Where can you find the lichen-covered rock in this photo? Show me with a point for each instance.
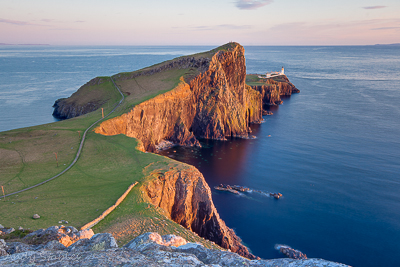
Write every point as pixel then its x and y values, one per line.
pixel 3 248
pixel 155 238
pixel 186 197
pixel 148 252
pixel 5 231
pixel 66 235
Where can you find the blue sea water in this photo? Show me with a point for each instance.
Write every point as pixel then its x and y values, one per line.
pixel 333 150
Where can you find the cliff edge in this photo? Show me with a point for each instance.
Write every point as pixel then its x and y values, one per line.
pixel 213 103
pixel 186 197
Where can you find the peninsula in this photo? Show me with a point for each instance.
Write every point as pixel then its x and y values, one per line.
pixel 206 95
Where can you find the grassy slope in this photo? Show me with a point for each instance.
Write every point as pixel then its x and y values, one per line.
pixel 107 166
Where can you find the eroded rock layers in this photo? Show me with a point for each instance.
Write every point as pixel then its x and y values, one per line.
pixel 186 197
pixel 215 104
pixel 272 91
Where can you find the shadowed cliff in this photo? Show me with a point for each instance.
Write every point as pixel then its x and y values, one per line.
pixel 272 89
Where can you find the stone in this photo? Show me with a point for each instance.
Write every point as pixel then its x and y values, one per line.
pixel 35 216
pixel 173 240
pixel 144 239
pixel 186 196
pixel 1 226
pixel 100 241
pixel 103 241
pixel 3 248
pixel 66 235
pixel 146 252
pixel 290 252
pixel 20 228
pixel 54 245
pixel 7 230
pixel 80 245
pixel 19 247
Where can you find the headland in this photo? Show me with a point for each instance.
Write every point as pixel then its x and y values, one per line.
pixel 206 95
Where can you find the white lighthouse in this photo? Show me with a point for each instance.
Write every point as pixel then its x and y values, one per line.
pixel 282 71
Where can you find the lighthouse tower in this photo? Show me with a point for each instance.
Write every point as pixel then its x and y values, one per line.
pixel 282 71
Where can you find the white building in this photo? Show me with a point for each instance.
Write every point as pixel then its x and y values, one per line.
pixel 273 73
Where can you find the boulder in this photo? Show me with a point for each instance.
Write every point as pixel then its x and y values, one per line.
pixel 155 238
pixel 97 242
pixel 18 247
pixel 173 240
pixel 36 216
pixel 66 235
pixel 103 241
pixel 290 252
pixel 6 231
pixel 3 248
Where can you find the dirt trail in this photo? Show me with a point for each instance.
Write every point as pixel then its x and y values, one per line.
pixel 79 150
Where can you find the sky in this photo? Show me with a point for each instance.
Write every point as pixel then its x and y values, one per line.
pixel 205 22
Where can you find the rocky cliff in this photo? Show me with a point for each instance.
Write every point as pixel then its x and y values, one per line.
pixel 272 89
pixel 76 105
pixel 186 197
pixel 215 103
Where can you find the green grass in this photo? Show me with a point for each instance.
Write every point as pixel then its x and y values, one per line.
pixel 105 169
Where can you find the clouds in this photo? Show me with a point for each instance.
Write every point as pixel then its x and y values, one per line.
pixel 373 7
pixel 252 4
pixel 15 22
pixel 222 27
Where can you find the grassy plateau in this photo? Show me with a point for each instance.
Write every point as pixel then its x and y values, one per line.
pixel 105 169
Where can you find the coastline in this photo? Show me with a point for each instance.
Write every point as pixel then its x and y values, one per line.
pixel 240 135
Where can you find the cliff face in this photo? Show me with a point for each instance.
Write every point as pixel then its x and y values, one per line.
pixel 186 197
pixel 66 108
pixel 214 104
pixel 272 90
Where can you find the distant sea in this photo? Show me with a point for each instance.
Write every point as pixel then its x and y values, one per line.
pixel 333 150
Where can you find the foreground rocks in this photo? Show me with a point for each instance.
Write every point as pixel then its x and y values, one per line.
pixel 66 235
pixel 149 249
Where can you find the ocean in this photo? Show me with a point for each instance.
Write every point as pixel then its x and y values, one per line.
pixel 333 150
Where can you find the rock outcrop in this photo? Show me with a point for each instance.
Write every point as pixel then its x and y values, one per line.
pixel 186 197
pixel 272 90
pixel 214 104
pixel 149 249
pixel 66 108
pixel 66 235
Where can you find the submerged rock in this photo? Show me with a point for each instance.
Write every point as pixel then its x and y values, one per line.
pixel 290 252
